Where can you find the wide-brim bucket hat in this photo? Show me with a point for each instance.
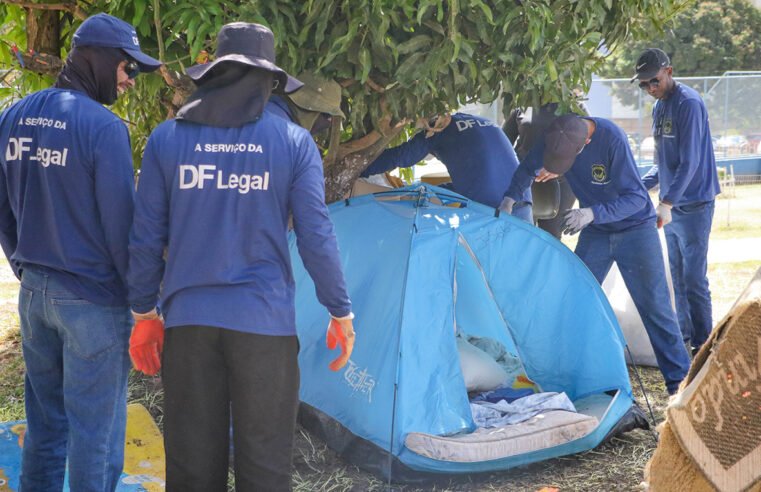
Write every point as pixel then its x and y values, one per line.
pixel 249 44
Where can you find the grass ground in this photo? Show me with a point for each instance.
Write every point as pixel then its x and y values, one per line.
pixel 617 465
pixel 738 215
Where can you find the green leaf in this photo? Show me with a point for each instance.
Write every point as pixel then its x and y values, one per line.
pixel 551 70
pixel 415 43
pixel 139 11
pixel 485 9
pixel 366 63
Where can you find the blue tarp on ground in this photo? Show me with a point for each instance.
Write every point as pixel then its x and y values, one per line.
pixel 417 271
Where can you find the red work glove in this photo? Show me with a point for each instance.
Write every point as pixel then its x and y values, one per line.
pixel 146 344
pixel 340 333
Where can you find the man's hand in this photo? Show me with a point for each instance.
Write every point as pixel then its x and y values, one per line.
pixel 506 206
pixel 434 125
pixel 663 213
pixel 576 219
pixel 545 175
pixel 340 333
pixel 146 344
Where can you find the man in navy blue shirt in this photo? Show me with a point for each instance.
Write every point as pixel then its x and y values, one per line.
pixel 522 129
pixel 616 220
pixel 479 157
pixel 217 187
pixel 66 195
pixel 685 168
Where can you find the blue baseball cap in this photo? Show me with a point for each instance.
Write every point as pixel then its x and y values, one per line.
pixel 110 32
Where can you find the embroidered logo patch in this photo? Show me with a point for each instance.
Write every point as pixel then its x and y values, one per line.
pixel 599 173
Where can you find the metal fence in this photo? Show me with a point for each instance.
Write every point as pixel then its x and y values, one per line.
pixel 733 111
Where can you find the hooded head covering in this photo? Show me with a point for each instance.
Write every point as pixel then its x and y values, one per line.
pixel 233 89
pixel 246 44
pixel 230 95
pixel 318 96
pixel 92 70
pixel 99 45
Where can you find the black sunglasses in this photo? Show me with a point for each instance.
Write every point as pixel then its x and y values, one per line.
pixel 645 84
pixel 132 69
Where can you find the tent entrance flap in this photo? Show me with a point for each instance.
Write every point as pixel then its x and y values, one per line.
pixel 478 319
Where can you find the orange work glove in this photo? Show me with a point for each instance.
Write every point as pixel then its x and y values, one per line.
pixel 340 333
pixel 146 344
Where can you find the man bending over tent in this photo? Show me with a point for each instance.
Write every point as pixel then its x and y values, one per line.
pixel 477 154
pixel 616 220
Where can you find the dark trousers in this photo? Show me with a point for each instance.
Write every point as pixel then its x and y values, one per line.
pixel 640 259
pixel 209 373
pixel 687 238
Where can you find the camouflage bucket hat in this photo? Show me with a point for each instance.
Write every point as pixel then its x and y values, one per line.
pixel 318 95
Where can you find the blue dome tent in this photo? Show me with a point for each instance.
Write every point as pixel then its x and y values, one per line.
pixel 422 265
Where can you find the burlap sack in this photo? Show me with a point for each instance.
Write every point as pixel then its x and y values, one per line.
pixel 712 436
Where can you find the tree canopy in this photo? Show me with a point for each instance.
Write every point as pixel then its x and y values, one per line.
pixel 395 59
pixel 709 38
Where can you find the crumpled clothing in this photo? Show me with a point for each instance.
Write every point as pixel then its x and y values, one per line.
pixel 509 362
pixel 500 414
pixel 507 394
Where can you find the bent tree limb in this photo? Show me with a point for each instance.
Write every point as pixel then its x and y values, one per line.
pixel 71 7
pixel 42 63
pixel 354 156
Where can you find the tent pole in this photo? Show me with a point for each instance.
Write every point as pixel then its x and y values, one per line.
pixel 391 441
pixel 644 393
pixel 421 198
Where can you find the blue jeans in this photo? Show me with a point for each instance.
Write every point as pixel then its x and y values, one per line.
pixel 75 389
pixel 687 239
pixel 637 252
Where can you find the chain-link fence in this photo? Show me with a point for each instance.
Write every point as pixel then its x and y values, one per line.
pixel 734 115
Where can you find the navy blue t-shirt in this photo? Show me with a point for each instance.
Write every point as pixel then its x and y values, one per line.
pixel 476 152
pixel 685 163
pixel 66 192
pixel 218 200
pixel 603 177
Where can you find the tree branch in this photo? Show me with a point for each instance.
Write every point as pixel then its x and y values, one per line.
pixel 340 178
pixel 66 7
pixel 333 142
pixel 374 86
pixel 182 84
pixel 347 82
pixel 157 23
pixel 42 63
pixel 384 132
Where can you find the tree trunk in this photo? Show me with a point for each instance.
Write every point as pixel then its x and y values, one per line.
pixel 43 31
pixel 340 177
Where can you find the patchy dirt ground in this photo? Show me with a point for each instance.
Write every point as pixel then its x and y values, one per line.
pixel 617 465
